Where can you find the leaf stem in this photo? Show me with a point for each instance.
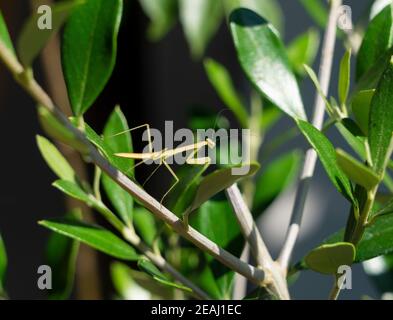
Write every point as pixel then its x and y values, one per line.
pixel 318 117
pixel 335 292
pixel 96 183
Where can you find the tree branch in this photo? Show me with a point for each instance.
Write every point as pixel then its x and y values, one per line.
pixel 277 283
pixel 40 96
pixel 161 263
pixel 317 120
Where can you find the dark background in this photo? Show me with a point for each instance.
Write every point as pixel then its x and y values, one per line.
pixel 152 82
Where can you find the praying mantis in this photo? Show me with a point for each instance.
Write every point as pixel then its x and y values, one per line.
pixel 166 153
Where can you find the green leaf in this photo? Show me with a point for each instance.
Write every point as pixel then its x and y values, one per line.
pixel 89 50
pixel 328 258
pixel 32 39
pixel 58 131
pixel 120 199
pixel 377 41
pixel 303 50
pixel 4 35
pixel 61 254
pixel 151 269
pixel 219 181
pixel 55 160
pixel 385 210
pixel 73 190
pixel 345 77
pixel 376 241
pixel 269 9
pixel 381 122
pixel 317 10
pixel 263 58
pixel 270 116
pixel 200 20
pixel 136 285
pixel 276 177
pixel 126 287
pixel 216 279
pixel 327 155
pixel 145 224
pixel 357 171
pixel 94 236
pixel 3 265
pixel 361 103
pixel 221 80
pixel 314 79
pixel 183 194
pixel 162 14
pixel 355 141
pixel 124 165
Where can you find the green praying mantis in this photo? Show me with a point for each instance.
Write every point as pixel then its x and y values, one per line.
pixel 163 155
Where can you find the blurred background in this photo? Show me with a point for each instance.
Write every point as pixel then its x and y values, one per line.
pixel 153 82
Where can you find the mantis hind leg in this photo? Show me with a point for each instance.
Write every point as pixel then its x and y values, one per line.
pixel 174 176
pixel 152 174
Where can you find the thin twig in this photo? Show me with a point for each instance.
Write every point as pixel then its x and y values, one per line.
pixel 311 156
pixel 257 246
pixel 40 96
pixel 130 235
pixel 161 263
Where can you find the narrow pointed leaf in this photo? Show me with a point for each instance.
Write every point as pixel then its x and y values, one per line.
pixel 327 155
pixel 4 35
pixel 124 165
pixel 94 236
pixel 263 58
pixel 269 9
pixel 120 199
pixel 345 77
pixel 61 254
pixel 303 50
pixel 222 82
pixel 361 103
pixel 89 50
pixel 200 20
pixel 151 269
pixel 317 10
pixel 381 122
pixel 145 224
pixel 328 258
pixel 216 279
pixel 136 285
pixel 55 160
pixel 3 264
pixel 58 131
pixel 32 39
pixel 73 190
pixel 376 42
pixel 357 171
pixel 218 181
pixel 314 78
pixel 183 194
pixel 162 14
